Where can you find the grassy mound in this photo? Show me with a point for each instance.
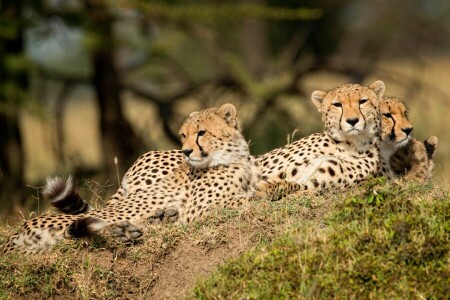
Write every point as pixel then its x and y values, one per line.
pixel 384 240
pixel 387 241
pixel 165 264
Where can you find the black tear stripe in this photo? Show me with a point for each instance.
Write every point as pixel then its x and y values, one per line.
pixel 200 148
pixel 198 144
pixel 360 112
pixel 392 135
pixel 340 118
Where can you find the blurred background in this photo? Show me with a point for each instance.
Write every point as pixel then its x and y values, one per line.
pixel 85 81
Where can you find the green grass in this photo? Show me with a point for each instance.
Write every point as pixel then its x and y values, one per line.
pixel 380 240
pixel 386 241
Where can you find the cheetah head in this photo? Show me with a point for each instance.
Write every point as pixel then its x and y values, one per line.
pixel 351 110
pixel 395 127
pixel 212 137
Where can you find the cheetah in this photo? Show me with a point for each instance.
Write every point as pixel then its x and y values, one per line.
pixel 401 155
pixel 215 169
pixel 345 153
pixel 415 161
pixel 150 168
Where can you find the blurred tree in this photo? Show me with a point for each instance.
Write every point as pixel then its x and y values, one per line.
pixel 118 138
pixel 254 42
pixel 257 53
pixel 13 86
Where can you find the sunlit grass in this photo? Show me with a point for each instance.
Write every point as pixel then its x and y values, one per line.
pixel 387 241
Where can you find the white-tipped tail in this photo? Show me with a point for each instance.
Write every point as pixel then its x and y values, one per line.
pixel 62 195
pixel 56 188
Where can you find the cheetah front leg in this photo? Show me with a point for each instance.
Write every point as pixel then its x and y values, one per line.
pixel 126 231
pixel 420 160
pixel 276 190
pixel 430 146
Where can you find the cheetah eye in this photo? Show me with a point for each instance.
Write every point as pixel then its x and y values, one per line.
pixel 387 115
pixel 201 133
pixel 362 101
pixel 337 104
pixel 183 136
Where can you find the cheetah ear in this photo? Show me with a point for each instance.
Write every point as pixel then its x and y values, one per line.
pixel 228 113
pixel 378 87
pixel 193 113
pixel 317 98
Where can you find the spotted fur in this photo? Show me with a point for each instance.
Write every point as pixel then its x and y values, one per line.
pixel 395 132
pixel 415 162
pixel 401 155
pixel 214 168
pixel 346 153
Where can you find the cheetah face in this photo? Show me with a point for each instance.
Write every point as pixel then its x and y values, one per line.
pixel 395 127
pixel 212 137
pixel 350 110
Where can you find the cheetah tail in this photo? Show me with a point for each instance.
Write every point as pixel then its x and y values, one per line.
pixel 62 195
pixel 86 227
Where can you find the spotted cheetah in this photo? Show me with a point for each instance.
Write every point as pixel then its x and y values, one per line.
pixel 415 161
pixel 401 155
pixel 215 169
pixel 346 153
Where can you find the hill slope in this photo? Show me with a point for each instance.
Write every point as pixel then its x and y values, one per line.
pixel 383 239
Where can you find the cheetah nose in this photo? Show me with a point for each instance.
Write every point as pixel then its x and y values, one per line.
pixel 352 121
pixel 187 152
pixel 407 130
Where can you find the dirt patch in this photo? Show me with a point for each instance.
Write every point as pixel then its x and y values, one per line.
pixel 192 260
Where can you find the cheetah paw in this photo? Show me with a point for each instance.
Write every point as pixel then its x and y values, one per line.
pixel 164 216
pixel 126 232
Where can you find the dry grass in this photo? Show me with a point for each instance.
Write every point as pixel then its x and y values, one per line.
pixel 165 264
pixel 170 259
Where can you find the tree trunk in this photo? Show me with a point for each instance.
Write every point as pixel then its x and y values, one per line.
pixel 118 138
pixel 13 84
pixel 254 42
